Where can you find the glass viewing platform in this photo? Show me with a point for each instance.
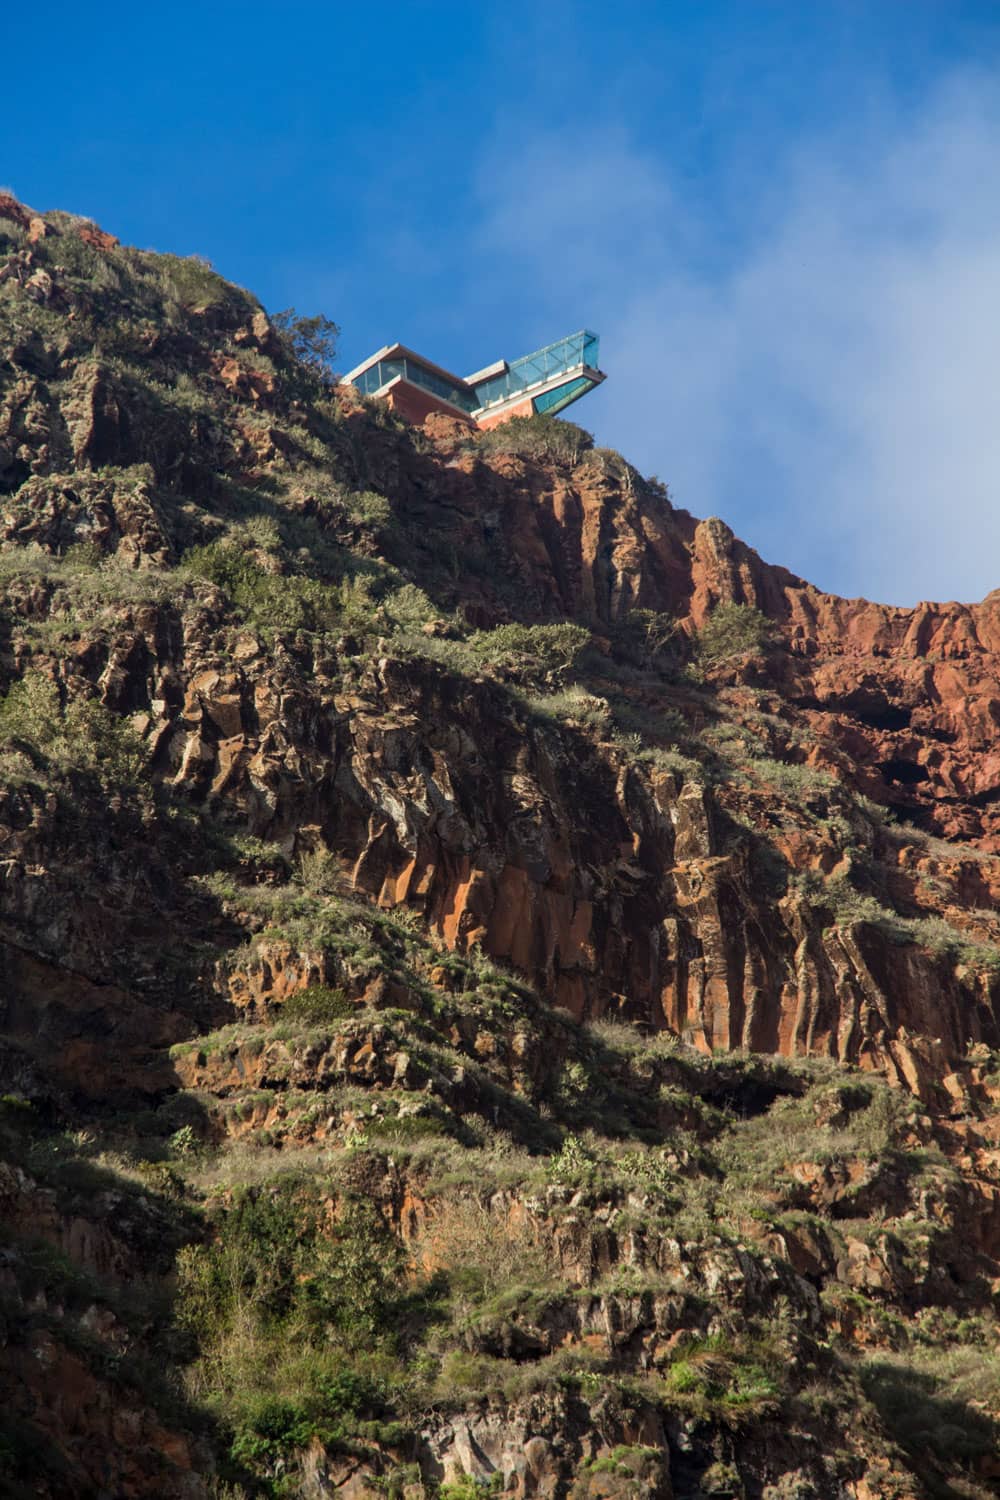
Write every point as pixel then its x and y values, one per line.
pixel 548 380
pixel 563 358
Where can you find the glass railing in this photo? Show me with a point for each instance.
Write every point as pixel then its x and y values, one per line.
pixel 534 369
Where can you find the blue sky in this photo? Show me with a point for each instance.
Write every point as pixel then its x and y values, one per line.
pixel 783 219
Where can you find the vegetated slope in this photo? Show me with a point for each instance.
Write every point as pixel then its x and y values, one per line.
pixel 500 984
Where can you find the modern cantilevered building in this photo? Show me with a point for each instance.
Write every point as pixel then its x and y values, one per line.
pixel 546 381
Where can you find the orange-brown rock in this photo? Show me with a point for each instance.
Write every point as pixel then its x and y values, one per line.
pixel 98 238
pixel 11 209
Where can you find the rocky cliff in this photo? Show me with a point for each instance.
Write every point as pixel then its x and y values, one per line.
pixel 500 983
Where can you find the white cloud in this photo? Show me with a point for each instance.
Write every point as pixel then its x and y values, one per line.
pixel 828 381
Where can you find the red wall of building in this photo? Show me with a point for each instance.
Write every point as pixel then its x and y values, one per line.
pixel 523 409
pixel 414 404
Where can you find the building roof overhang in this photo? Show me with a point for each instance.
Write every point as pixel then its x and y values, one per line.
pixel 498 367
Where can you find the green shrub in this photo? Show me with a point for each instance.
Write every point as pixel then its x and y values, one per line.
pixel 573 1164
pixel 184 1142
pixel 848 904
pixel 83 735
pixel 935 1415
pixel 317 1005
pixel 310 341
pixel 573 704
pixel 649 631
pixel 83 555
pixel 718 1376
pixel 626 1460
pixel 470 1487
pixel 789 777
pixel 262 597
pixel 407 1130
pixel 331 1410
pixel 733 630
pixel 270 1261
pixel 358 608
pixel 649 723
pixel 32 711
pixel 721 1479
pixel 408 607
pixel 937 934
pixel 540 437
pixel 286 1305
pixel 190 281
pixel 368 508
pixel 318 873
pixel 551 649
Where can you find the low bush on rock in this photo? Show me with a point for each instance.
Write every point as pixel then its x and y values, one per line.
pixel 79 735
pixel 733 630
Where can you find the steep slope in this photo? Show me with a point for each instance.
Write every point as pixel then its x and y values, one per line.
pixel 500 983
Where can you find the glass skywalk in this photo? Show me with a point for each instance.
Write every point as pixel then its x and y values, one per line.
pixel 566 356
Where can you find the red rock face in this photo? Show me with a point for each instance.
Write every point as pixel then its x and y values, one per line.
pixel 898 704
pixel 907 701
pixel 613 883
pixel 38 229
pixel 98 238
pixel 16 212
pixel 609 881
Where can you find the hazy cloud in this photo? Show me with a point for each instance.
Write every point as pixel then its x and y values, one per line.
pixel 828 380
